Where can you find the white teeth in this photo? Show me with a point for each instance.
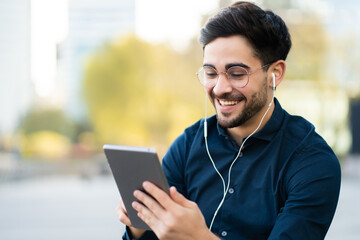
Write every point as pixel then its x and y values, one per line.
pixel 228 103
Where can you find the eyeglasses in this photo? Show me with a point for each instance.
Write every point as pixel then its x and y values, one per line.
pixel 238 76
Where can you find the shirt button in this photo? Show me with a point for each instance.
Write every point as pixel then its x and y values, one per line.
pixel 241 154
pixel 231 190
pixel 224 233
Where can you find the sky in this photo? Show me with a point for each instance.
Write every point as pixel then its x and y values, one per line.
pixel 176 23
pixel 48 27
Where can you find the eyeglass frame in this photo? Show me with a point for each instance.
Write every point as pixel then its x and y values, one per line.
pixel 227 76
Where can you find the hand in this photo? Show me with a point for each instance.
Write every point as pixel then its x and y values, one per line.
pixel 123 217
pixel 171 217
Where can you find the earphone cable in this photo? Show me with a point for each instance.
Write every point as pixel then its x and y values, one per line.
pixel 233 162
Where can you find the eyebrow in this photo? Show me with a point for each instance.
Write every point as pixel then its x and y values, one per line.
pixel 229 65
pixel 209 65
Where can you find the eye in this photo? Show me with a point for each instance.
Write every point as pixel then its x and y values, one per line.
pixel 210 73
pixel 237 73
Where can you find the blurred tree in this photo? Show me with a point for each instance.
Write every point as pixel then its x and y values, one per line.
pixel 44 144
pixel 308 57
pixel 344 65
pixel 50 119
pixel 46 134
pixel 141 94
pixel 278 4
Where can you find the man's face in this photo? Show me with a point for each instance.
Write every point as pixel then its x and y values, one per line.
pixel 235 106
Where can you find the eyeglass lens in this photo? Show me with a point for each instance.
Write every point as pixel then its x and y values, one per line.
pixel 208 76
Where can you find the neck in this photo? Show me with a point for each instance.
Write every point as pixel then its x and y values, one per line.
pixel 243 131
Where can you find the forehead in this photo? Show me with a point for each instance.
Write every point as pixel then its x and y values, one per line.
pixel 227 50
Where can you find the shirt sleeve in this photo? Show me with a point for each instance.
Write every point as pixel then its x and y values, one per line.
pixel 148 235
pixel 312 189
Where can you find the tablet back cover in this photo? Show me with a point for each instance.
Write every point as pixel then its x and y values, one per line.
pixel 131 166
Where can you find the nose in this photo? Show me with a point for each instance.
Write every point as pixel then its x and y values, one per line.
pixel 223 85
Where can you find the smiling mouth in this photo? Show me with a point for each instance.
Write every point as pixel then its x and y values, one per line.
pixel 228 103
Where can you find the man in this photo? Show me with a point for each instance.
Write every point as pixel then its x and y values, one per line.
pixel 252 171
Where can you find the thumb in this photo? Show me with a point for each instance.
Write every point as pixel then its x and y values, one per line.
pixel 178 197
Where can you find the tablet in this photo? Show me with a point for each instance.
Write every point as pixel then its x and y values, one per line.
pixel 131 166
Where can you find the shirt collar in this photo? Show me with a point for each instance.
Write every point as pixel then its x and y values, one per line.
pixel 270 128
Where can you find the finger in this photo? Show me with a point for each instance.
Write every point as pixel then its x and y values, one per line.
pixel 122 204
pixel 122 207
pixel 146 215
pixel 179 198
pixel 160 196
pixel 149 202
pixel 122 215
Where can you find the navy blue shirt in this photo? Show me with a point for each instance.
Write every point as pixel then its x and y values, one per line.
pixel 284 185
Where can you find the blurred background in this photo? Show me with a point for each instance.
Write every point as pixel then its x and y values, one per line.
pixel 76 74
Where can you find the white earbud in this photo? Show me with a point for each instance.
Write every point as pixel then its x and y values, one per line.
pixel 274 87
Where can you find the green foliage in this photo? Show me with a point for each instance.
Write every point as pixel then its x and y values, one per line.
pixel 141 94
pixel 45 145
pixel 54 120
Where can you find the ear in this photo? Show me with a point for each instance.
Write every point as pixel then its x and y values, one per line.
pixel 278 68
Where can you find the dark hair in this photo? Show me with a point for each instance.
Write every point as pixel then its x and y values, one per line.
pixel 265 31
